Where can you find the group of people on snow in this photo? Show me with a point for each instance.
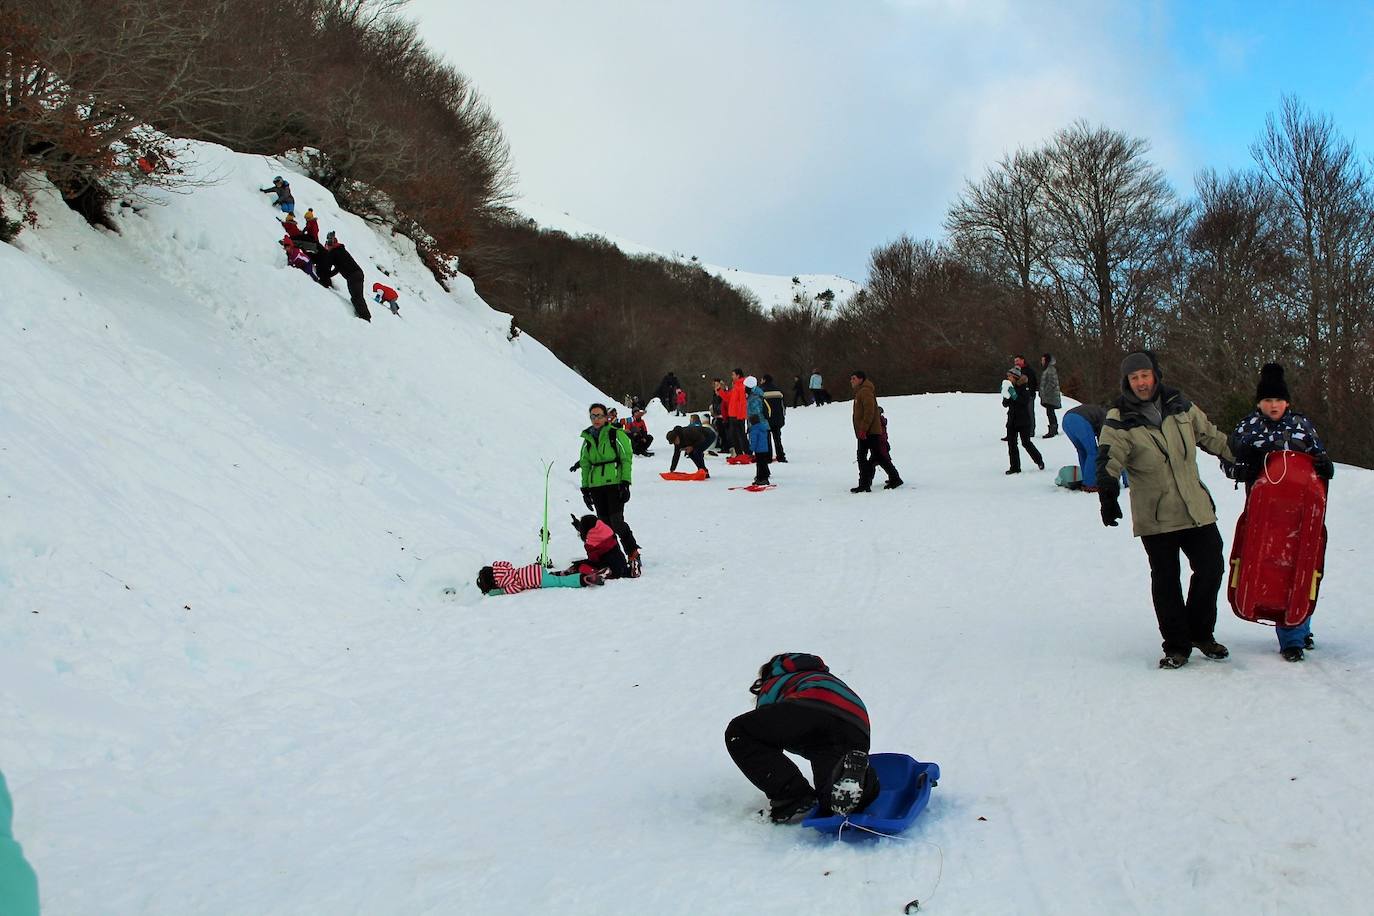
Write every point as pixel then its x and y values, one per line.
pixel 321 261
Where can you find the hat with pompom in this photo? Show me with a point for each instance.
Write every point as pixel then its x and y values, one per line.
pixel 1271 383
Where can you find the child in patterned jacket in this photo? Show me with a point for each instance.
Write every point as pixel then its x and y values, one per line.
pixel 1273 427
pixel 504 578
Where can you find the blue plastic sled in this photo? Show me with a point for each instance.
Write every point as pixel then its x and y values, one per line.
pixel 905 788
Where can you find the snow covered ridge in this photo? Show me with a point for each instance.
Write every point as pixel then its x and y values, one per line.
pixel 772 291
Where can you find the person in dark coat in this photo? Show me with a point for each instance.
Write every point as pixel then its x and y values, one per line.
pixel 692 441
pixel 803 709
pixel 798 392
pixel 666 390
pixel 1032 385
pixel 777 415
pixel 1020 421
pixel 337 260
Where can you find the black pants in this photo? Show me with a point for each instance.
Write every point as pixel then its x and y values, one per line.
pixel 761 462
pixel 872 455
pixel 355 292
pixel 798 399
pixel 738 438
pixel 757 739
pixel 775 436
pixel 1182 623
pixel 1053 429
pixel 610 508
pixel 1027 443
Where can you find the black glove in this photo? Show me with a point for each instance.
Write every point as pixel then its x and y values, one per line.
pixel 1109 488
pixel 1111 509
pixel 576 465
pixel 587 498
pixel 1245 472
pixel 624 492
pixel 1323 466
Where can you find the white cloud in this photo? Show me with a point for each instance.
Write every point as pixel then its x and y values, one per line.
pixel 792 136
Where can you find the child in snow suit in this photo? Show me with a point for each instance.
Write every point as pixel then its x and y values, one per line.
pixel 296 258
pixel 385 295
pixel 312 225
pixel 680 399
pixel 502 578
pixel 604 557
pixel 1273 427
pixel 803 709
pixel 638 431
pixel 756 410
pixel 285 201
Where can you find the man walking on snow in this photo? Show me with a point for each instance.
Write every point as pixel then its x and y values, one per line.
pixel 868 429
pixel 1153 433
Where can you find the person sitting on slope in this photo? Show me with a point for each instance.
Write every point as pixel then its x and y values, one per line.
pixel 1272 427
pixel 605 558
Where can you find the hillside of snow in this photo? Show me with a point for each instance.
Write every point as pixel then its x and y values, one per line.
pixel 235 682
pixel 771 290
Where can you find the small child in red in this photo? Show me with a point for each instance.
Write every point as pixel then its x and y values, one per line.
pixel 312 225
pixel 387 296
pixel 681 400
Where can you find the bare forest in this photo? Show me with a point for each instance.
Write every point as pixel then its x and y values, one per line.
pixel 1080 247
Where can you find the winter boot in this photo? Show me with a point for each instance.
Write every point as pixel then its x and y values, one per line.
pixel 1013 471
pixel 595 577
pixel 1213 650
pixel 1292 654
pixel 788 810
pixel 635 563
pixel 894 483
pixel 1307 642
pixel 1173 660
pixel 849 782
pixel 861 488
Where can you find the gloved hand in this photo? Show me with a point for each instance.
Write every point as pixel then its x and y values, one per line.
pixel 753 419
pixel 1109 487
pixel 1323 466
pixel 587 498
pixel 1111 509
pixel 1245 472
pixel 624 492
pixel 575 466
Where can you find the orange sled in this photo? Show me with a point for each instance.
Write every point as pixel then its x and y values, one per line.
pixel 1279 550
pixel 680 475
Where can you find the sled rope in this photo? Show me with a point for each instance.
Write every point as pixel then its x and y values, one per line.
pixel 913 905
pixel 1285 469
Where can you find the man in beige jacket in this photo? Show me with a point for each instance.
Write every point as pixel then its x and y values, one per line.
pixel 1153 433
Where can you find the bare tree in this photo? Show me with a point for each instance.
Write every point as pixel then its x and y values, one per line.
pixel 1114 221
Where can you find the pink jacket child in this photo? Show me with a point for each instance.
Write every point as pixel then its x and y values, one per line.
pixel 503 578
pixel 387 296
pixel 296 258
pixel 605 557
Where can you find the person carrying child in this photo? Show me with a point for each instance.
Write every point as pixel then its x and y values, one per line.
pixel 803 709
pixel 1020 420
pixel 692 441
pixel 1273 427
pixel 504 578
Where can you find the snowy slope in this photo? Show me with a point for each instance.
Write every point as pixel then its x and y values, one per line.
pixel 771 290
pixel 235 684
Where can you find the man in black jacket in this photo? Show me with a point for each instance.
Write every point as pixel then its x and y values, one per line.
pixel 1020 421
pixel 693 441
pixel 337 260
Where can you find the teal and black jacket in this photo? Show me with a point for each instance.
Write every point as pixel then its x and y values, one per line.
pixel 796 677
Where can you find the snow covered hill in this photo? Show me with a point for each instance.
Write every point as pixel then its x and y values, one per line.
pixel 771 290
pixel 235 684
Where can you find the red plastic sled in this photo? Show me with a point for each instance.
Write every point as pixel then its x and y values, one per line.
pixel 682 475
pixel 1279 550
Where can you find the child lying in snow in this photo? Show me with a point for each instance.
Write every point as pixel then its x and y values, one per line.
pixel 502 578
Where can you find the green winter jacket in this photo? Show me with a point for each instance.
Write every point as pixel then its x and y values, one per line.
pixel 1166 492
pixel 18 883
pixel 606 456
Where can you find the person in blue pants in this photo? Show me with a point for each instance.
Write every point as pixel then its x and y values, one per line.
pixel 1083 425
pixel 18 883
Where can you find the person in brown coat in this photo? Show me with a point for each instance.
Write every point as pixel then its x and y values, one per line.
pixel 868 429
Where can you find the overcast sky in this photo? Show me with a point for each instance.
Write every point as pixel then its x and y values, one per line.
pixel 794 136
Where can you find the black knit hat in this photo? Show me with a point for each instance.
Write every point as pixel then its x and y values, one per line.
pixel 1271 383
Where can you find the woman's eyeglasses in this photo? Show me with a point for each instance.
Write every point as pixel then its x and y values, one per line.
pixel 597 416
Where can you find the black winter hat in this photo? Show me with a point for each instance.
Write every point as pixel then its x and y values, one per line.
pixel 1271 383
